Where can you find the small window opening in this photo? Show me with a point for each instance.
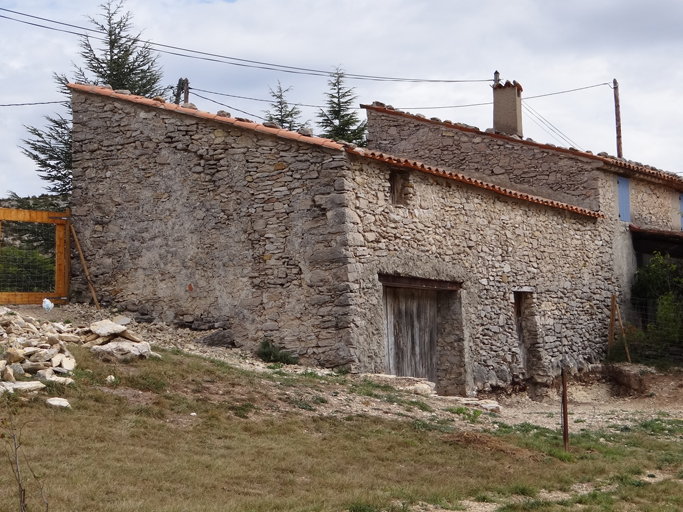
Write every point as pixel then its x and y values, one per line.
pixel 519 326
pixel 398 187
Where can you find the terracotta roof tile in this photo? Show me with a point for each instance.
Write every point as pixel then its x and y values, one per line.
pixel 671 179
pixel 411 164
pixel 105 91
pixel 327 143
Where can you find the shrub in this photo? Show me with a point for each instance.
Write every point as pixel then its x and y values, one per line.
pixel 271 354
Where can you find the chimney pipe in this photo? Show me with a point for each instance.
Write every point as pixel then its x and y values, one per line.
pixel 507 107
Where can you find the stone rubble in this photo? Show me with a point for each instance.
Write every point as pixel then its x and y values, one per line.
pixel 58 402
pixel 28 346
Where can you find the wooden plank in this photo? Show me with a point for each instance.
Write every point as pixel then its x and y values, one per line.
pixel 60 284
pixel 411 328
pixel 565 417
pixel 67 254
pixel 612 319
pixel 16 215
pixel 417 282
pixel 624 199
pixel 85 267
pixel 30 297
pixel 623 333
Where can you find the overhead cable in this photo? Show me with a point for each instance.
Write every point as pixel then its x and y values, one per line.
pixel 553 129
pixel 228 106
pixel 27 104
pixel 237 61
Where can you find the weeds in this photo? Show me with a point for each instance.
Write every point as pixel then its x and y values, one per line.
pixel 271 354
pixel 465 413
pixel 242 410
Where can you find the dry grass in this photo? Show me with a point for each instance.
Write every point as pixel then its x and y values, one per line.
pixel 137 448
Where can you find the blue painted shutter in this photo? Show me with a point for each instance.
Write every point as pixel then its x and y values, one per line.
pixel 680 208
pixel 624 200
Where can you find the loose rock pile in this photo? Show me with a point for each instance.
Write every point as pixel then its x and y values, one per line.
pixel 40 349
pixel 30 347
pixel 112 340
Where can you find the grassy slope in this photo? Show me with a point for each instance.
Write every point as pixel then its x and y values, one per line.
pixel 241 452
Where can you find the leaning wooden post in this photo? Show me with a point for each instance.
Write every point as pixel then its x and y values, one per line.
pixel 85 267
pixel 623 334
pixel 612 314
pixel 565 413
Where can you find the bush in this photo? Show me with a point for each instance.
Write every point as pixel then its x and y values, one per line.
pixel 271 354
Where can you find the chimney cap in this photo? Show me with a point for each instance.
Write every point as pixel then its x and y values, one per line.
pixel 507 84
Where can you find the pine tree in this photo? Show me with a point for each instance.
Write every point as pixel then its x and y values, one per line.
pixel 50 149
pixel 281 112
pixel 338 120
pixel 125 62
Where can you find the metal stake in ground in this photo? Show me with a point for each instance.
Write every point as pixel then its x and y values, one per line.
pixel 565 414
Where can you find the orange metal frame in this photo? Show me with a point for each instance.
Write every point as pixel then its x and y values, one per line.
pixel 61 220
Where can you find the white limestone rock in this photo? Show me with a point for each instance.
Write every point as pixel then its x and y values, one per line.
pixel 68 363
pixel 70 338
pixel 132 336
pixel 32 385
pixel 106 328
pixel 58 402
pixel 122 350
pixel 121 320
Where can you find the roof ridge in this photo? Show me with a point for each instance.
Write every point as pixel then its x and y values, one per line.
pixel 318 141
pixel 443 173
pixel 235 121
pixel 610 160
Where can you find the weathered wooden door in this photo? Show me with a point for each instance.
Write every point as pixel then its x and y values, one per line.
pixel 410 330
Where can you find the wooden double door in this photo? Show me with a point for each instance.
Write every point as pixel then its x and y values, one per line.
pixel 411 332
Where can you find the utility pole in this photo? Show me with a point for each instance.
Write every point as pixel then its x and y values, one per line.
pixel 187 95
pixel 617 115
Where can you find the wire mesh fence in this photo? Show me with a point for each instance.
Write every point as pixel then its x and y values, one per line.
pixel 653 331
pixel 27 257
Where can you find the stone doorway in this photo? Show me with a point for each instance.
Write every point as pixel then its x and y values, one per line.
pixel 423 331
pixel 410 326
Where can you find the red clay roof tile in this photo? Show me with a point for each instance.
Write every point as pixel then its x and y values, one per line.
pixel 472 181
pixel 318 141
pixel 673 180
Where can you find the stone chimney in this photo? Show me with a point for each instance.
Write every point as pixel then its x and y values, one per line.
pixel 507 107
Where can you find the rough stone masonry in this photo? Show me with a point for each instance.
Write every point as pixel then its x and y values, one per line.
pixel 189 217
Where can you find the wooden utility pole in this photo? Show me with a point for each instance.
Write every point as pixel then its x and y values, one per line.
pixel 186 91
pixel 565 413
pixel 617 115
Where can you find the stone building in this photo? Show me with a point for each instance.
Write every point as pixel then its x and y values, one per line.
pixel 491 263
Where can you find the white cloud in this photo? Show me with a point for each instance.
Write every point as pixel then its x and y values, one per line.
pixel 546 46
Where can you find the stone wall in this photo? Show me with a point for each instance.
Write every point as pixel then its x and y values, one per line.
pixel 552 174
pixel 654 206
pixel 190 220
pixel 493 245
pixel 198 222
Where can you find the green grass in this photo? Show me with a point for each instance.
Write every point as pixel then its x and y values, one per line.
pixel 119 450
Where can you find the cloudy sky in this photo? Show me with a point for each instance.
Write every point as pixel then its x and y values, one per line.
pixel 546 46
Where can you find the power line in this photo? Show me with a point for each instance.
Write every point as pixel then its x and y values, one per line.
pixel 228 106
pixel 562 143
pixel 448 106
pixel 552 127
pixel 564 92
pixel 238 61
pixel 27 104
pixel 253 99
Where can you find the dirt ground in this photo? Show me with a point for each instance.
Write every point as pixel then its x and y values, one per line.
pixel 595 401
pixel 611 397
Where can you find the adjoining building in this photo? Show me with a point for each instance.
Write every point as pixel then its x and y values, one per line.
pixel 492 262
